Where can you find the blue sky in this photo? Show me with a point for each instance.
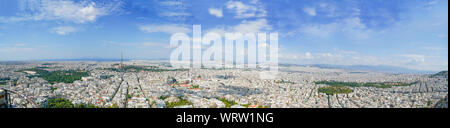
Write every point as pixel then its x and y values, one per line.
pixel 406 33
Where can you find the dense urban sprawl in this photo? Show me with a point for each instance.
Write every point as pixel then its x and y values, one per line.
pixel 155 84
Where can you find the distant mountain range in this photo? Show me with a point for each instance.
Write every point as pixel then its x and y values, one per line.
pixel 99 59
pixel 380 68
pixel 88 59
pixel 73 59
pixel 368 68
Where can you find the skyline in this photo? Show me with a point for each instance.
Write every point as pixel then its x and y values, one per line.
pixel 405 33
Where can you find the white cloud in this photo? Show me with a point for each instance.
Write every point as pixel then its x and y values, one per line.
pixel 260 25
pixel 296 57
pixel 171 3
pixel 172 9
pixel 432 2
pixel 16 48
pixel 253 26
pixel 78 12
pixel 153 44
pixel 136 44
pixel 414 58
pixel 216 12
pixel 330 9
pixel 20 44
pixel 253 9
pixel 310 11
pixel 351 28
pixel 63 30
pixel 167 28
pixel 308 55
pixel 172 14
pixel 434 48
pixel 324 30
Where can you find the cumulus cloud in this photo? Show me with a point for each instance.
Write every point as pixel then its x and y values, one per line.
pixel 308 55
pixel 255 26
pixel 166 28
pixel 153 44
pixel 136 44
pixel 173 9
pixel 78 12
pixel 16 48
pixel 310 11
pixel 350 27
pixel 431 2
pixel 172 14
pixel 63 30
pixel 241 10
pixel 414 58
pixel 216 12
pixel 171 3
